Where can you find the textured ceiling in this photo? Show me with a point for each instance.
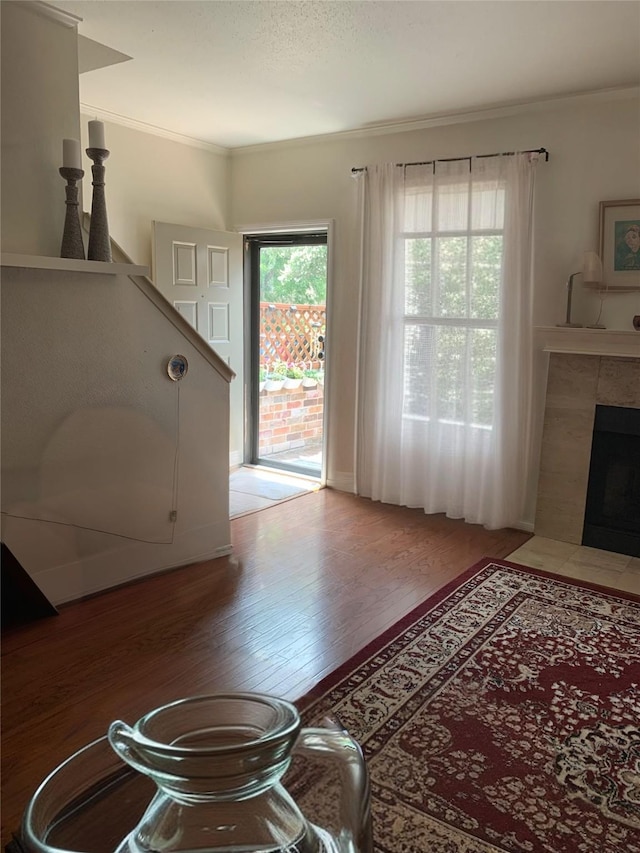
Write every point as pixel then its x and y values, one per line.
pixel 244 72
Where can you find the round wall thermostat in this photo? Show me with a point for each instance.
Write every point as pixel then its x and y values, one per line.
pixel 177 367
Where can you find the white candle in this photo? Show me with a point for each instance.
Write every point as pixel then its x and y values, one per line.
pixel 96 134
pixel 71 157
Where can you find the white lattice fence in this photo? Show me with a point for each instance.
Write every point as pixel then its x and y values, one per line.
pixel 290 333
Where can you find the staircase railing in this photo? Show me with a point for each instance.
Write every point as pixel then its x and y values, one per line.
pixel 162 303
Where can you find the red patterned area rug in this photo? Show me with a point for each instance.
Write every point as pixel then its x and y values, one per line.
pixel 501 716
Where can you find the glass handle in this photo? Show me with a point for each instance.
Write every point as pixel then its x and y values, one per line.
pixel 334 744
pixel 122 740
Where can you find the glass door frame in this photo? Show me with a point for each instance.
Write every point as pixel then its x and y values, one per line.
pixel 253 242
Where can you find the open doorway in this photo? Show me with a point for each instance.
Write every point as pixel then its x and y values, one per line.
pixel 288 287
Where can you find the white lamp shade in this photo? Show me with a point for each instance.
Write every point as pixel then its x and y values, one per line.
pixel 591 267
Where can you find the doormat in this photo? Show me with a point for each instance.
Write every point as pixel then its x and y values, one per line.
pixel 253 489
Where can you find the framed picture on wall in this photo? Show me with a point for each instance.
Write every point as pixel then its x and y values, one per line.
pixel 620 242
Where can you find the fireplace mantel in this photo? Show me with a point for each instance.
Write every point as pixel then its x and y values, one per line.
pixel 611 342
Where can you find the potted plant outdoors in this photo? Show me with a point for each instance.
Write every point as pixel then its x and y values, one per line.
pixel 276 376
pixel 262 381
pixel 293 377
pixel 310 378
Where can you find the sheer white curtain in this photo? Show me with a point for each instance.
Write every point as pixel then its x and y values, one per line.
pixel 444 364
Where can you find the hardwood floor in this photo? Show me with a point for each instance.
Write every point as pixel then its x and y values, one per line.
pixel 311 581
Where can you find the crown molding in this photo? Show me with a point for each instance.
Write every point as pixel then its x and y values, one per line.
pixel 401 126
pixel 463 116
pixel 46 10
pixel 143 127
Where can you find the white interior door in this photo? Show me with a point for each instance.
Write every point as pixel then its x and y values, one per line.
pixel 200 272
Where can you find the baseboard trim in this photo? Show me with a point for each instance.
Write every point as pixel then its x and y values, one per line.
pixel 342 482
pixel 77 592
pixel 79 578
pixel 235 459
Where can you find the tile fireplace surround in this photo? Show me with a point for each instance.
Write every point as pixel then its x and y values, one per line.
pixel 584 370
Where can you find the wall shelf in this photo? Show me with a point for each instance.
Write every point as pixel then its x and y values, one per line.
pixel 611 342
pixel 39 262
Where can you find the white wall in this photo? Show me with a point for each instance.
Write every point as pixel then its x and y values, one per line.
pixel 39 109
pixel 594 156
pixel 151 178
pixel 92 427
pixel 99 445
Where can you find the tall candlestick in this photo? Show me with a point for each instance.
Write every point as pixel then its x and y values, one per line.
pixel 99 242
pixel 71 157
pixel 96 134
pixel 72 245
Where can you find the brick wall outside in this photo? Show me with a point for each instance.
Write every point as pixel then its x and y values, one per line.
pixel 290 419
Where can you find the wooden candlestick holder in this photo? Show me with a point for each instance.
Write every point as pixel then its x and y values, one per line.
pixel 72 245
pixel 99 241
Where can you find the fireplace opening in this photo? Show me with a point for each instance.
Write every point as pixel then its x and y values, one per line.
pixel 612 514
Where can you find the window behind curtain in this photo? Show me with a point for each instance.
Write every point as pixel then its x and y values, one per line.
pixel 444 362
pixel 453 262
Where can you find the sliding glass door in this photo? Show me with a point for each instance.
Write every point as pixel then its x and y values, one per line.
pixel 288 276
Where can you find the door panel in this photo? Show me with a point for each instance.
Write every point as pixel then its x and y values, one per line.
pixel 218 267
pixel 219 332
pixel 184 264
pixel 200 272
pixel 189 311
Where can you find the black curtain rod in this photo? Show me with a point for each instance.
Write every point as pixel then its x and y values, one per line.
pixel 456 159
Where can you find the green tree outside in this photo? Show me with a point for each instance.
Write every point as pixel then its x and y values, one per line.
pixel 294 274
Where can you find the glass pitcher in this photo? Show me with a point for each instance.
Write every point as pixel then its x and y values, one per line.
pixel 216 762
